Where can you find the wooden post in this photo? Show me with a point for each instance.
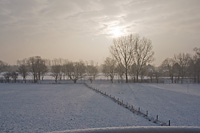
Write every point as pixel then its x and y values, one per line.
pixel 157 118
pixel 169 122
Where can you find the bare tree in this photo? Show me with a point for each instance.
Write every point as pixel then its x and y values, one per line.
pixel 33 67
pixel 7 76
pixel 44 68
pixel 143 72
pixel 56 70
pixel 168 65
pixel 69 69
pixel 14 76
pixel 196 65
pixel 75 70
pixel 151 72
pixel 177 72
pixel 183 65
pixel 109 68
pixel 41 68
pixel 120 71
pixel 80 69
pixel 60 62
pixel 3 66
pixel 91 70
pixel 23 68
pixel 65 69
pixel 183 61
pixel 157 73
pixel 132 72
pixel 154 72
pixel 143 54
pixel 123 51
pixel 128 50
pixel 37 66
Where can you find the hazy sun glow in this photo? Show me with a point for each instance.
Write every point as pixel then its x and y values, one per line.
pixel 116 32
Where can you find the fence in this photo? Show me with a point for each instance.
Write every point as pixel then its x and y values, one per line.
pixel 131 108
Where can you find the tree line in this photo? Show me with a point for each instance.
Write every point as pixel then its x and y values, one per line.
pixel 130 60
pixel 132 55
pixel 60 69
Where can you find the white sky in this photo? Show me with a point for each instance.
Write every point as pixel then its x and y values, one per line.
pixel 83 29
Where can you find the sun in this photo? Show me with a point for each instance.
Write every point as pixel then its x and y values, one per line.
pixel 116 32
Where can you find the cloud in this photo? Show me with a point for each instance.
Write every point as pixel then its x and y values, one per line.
pixel 78 19
pixel 82 15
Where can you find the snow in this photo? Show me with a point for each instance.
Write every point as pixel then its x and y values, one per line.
pixel 63 107
pixel 58 107
pixel 179 103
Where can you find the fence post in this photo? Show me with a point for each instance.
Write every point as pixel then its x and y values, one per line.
pixel 169 122
pixel 157 118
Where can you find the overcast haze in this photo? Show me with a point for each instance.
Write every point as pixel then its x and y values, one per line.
pixel 84 29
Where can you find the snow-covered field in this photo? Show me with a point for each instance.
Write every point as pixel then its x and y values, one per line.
pixel 179 103
pixel 56 107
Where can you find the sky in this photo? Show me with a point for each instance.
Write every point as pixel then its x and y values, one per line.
pixel 84 29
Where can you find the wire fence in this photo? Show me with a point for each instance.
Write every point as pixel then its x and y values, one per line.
pixel 137 111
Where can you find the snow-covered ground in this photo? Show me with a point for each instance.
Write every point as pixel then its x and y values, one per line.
pixel 179 103
pixel 56 107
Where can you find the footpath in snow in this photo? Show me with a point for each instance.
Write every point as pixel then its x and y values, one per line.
pixel 179 103
pixel 57 107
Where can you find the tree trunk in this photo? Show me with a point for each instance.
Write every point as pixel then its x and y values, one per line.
pixel 111 79
pixel 126 77
pixel 157 79
pixel 39 76
pixel 137 76
pixel 56 79
pixel 178 78
pixel 172 79
pixel 35 78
